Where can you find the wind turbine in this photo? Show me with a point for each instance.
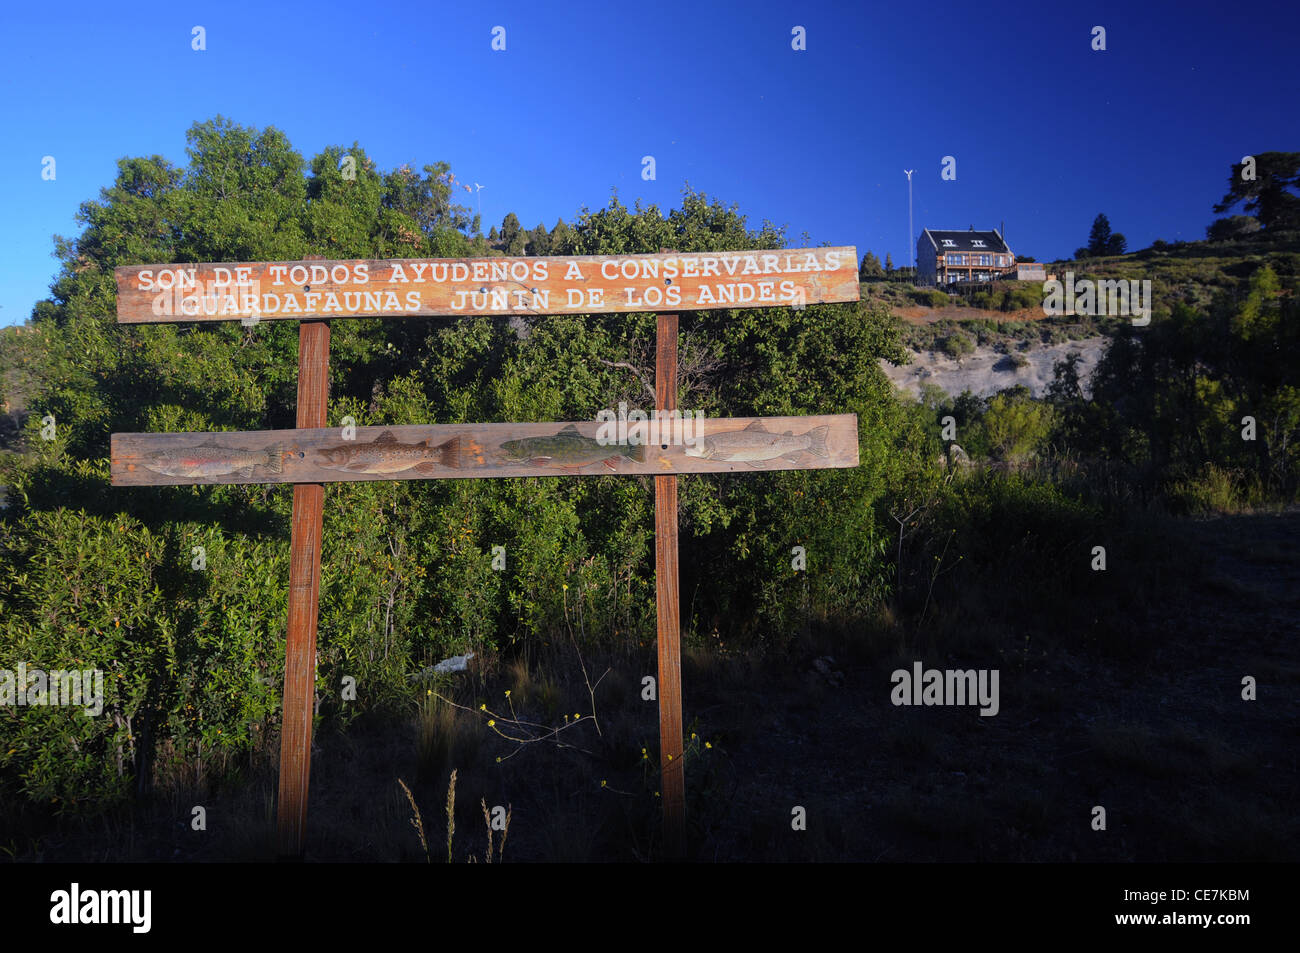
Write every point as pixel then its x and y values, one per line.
pixel 478 188
pixel 911 242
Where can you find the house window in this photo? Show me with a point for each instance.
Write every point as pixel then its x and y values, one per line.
pixel 1002 261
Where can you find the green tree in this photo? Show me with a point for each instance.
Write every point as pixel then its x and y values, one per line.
pixel 539 241
pixel 1099 238
pixel 870 268
pixel 510 231
pixel 561 238
pixel 1270 193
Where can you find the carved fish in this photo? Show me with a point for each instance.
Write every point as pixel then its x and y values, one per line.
pixel 210 460
pixel 386 455
pixel 568 448
pixel 754 444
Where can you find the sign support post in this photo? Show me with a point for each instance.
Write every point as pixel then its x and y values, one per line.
pixel 304 595
pixel 668 607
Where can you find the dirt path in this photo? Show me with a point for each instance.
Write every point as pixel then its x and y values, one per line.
pixel 1185 768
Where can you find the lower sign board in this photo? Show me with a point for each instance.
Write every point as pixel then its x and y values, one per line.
pixel 466 451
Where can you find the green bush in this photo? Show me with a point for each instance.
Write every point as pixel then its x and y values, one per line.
pixel 931 297
pixel 957 345
pixel 1017 426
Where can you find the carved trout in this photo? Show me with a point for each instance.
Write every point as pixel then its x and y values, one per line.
pixel 210 460
pixel 755 444
pixel 386 455
pixel 568 448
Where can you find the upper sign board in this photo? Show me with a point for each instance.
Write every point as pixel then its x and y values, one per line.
pixel 590 284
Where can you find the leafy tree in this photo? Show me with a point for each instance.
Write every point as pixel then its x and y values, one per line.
pixel 1117 245
pixel 1172 400
pixel 492 235
pixel 1270 194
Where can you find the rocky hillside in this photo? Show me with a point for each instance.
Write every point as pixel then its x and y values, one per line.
pixel 989 370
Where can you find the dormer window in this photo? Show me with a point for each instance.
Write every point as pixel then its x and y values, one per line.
pixel 977 243
pixel 949 243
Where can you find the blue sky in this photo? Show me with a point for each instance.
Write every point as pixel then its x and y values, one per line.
pixel 1046 132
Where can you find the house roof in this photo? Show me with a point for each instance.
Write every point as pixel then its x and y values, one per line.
pixel 966 241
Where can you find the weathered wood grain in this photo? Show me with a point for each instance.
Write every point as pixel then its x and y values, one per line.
pixel 475 451
pixel 591 284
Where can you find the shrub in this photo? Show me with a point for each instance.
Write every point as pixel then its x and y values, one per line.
pixel 957 345
pixel 1214 489
pixel 1017 426
pixel 928 296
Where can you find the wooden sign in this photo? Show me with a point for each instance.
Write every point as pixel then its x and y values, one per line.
pixel 315 290
pixel 468 451
pixel 591 284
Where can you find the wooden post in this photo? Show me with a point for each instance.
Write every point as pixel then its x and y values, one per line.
pixel 304 593
pixel 667 606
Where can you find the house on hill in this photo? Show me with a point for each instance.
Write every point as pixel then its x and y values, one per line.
pixel 944 257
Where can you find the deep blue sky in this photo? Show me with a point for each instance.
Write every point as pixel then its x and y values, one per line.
pixel 1046 132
